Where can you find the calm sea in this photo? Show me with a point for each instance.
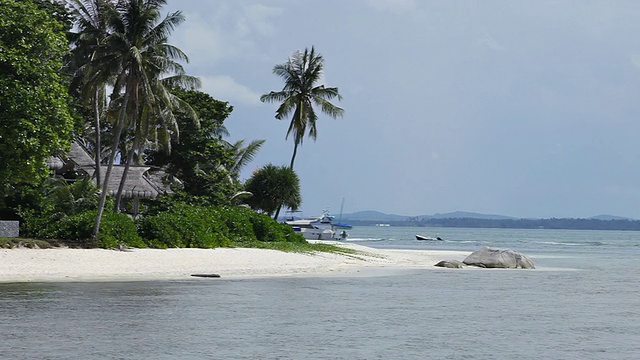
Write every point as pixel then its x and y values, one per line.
pixel 583 302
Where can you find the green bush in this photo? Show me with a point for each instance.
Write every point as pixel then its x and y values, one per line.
pixel 179 225
pixel 77 228
pixel 268 230
pixel 116 229
pixel 238 221
pixel 214 226
pixel 185 226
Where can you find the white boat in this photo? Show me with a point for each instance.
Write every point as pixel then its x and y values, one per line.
pixel 318 228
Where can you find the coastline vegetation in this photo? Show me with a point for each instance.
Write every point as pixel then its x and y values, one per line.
pixel 113 83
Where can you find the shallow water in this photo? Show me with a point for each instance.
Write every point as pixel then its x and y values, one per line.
pixel 579 304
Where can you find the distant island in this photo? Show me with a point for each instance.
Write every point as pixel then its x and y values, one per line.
pixel 461 219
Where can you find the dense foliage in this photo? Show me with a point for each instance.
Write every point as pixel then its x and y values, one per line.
pixel 34 116
pixel 181 225
pixel 65 211
pixel 213 226
pixel 199 157
pixel 58 11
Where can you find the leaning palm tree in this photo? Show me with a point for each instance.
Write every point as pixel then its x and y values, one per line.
pixel 137 47
pixel 157 124
pixel 301 74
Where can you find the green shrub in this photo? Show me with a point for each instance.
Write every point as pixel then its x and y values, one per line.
pixel 185 226
pixel 76 228
pixel 238 221
pixel 268 230
pixel 116 229
pixel 214 226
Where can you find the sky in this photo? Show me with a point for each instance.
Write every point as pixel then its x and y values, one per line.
pixel 521 108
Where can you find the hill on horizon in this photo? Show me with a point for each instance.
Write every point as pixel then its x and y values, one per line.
pixel 469 215
pixel 606 217
pixel 373 215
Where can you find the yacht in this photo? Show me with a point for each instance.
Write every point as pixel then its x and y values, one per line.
pixel 318 227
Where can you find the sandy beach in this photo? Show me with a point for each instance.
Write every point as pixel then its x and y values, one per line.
pixel 63 264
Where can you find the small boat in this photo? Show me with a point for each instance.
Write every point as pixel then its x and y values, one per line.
pixel 428 238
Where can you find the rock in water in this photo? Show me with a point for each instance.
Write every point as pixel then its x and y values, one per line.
pixel 498 258
pixel 452 264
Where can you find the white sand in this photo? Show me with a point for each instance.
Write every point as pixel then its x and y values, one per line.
pixel 61 264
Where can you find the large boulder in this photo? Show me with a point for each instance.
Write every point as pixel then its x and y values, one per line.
pixel 487 257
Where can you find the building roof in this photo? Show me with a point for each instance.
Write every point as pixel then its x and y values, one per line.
pixel 136 184
pixel 80 155
pixel 140 182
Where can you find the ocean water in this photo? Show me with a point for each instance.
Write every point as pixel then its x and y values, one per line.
pixel 582 302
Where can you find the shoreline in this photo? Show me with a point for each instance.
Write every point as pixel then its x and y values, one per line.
pixel 78 265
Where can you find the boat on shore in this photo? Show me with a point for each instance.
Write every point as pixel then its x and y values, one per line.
pixel 428 238
pixel 318 227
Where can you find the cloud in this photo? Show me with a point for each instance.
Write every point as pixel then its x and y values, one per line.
pixel 228 89
pixel 226 31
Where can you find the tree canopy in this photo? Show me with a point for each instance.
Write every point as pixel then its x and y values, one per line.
pixel 34 116
pixel 199 157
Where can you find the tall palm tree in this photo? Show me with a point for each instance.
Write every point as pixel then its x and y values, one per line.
pixel 301 74
pixel 137 47
pixel 157 124
pixel 90 19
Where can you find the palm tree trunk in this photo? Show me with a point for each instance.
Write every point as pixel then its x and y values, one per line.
pixel 105 190
pixel 123 180
pixel 293 158
pixel 295 151
pixel 275 217
pixel 96 114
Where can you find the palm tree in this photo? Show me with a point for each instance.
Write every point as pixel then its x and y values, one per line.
pixel 273 187
pixel 301 74
pixel 90 18
pixel 157 124
pixel 136 47
pixel 242 155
